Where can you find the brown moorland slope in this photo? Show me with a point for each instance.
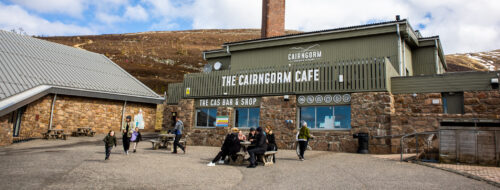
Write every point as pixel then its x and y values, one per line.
pixel 160 58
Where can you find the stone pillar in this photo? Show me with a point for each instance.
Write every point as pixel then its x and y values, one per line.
pixel 274 110
pixel 273 18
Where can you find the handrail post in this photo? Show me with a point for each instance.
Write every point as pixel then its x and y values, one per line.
pixel 416 145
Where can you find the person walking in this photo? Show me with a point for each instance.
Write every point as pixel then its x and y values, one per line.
pixel 127 128
pixel 230 147
pixel 271 141
pixel 136 137
pixel 259 147
pixel 179 126
pixel 303 138
pixel 109 142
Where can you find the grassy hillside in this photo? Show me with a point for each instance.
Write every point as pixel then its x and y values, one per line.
pixel 160 58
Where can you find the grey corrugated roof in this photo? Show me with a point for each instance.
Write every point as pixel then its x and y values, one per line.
pixel 27 62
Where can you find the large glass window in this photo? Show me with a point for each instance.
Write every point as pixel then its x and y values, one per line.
pixel 205 117
pixel 326 117
pixel 247 117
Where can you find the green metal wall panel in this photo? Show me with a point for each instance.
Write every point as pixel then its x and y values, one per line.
pixel 408 59
pixel 358 76
pixel 424 61
pixel 448 82
pixel 331 51
pixel 175 92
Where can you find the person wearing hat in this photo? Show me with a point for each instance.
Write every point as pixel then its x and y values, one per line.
pixel 128 127
pixel 251 135
pixel 230 147
pixel 260 147
pixel 303 137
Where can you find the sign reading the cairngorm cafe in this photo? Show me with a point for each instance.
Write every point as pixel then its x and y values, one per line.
pixel 228 102
pixel 306 75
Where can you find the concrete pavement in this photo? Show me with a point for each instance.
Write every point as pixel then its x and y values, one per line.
pixel 78 164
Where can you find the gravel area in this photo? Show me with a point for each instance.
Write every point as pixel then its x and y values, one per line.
pixel 78 163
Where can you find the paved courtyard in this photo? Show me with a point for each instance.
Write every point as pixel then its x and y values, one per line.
pixel 78 164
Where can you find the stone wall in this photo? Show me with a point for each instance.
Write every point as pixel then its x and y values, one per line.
pixel 5 130
pixel 419 114
pixel 274 110
pixel 71 112
pixel 371 113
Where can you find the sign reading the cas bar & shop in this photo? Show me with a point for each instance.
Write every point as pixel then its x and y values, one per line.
pixel 228 102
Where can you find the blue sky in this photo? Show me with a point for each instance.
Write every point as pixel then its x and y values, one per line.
pixel 463 25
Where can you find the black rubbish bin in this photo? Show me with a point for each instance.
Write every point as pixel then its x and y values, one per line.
pixel 362 142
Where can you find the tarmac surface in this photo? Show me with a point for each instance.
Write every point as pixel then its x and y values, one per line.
pixel 78 163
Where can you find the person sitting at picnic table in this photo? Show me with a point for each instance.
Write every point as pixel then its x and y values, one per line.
pixel 109 142
pixel 241 136
pixel 251 135
pixel 260 147
pixel 271 141
pixel 136 137
pixel 127 128
pixel 230 147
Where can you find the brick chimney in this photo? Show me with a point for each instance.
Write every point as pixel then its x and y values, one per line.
pixel 273 18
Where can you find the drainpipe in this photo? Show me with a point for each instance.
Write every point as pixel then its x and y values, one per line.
pixel 204 56
pixel 227 50
pixel 52 111
pixel 436 55
pixel 123 112
pixel 399 51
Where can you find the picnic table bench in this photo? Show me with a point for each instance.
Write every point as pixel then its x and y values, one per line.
pixel 83 131
pixel 55 134
pixel 266 158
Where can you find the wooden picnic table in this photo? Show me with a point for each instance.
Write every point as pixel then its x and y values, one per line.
pixel 55 134
pixel 83 131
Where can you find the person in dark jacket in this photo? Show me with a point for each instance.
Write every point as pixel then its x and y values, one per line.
pixel 127 128
pixel 136 137
pixel 230 147
pixel 271 141
pixel 179 126
pixel 109 142
pixel 251 135
pixel 260 147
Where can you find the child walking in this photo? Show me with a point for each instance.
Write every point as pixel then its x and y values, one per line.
pixel 136 137
pixel 109 141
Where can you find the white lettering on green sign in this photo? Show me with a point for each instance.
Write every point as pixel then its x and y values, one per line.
pixel 307 75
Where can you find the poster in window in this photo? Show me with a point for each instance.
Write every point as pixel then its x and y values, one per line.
pixel 222 121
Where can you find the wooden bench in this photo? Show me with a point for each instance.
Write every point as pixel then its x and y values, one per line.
pixel 240 158
pixel 171 143
pixel 267 157
pixel 155 143
pixel 65 136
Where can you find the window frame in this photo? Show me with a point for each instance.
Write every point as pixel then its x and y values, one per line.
pixel 208 118
pixel 315 118
pixel 445 100
pixel 235 123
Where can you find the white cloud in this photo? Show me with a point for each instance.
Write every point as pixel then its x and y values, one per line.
pixel 463 26
pixel 136 13
pixel 73 8
pixel 13 16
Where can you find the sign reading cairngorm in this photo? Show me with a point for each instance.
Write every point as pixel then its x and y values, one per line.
pixel 271 78
pixel 299 54
pixel 228 102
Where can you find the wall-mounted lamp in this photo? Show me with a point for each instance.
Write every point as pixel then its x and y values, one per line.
pixel 341 78
pixel 286 98
pixel 225 93
pixel 414 95
pixel 494 83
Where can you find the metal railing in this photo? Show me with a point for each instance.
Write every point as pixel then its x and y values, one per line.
pixel 416 141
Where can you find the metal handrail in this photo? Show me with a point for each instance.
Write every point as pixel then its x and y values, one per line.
pixel 416 140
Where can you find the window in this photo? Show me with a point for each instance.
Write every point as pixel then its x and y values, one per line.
pixel 247 117
pixel 453 102
pixel 205 117
pixel 326 117
pixel 18 116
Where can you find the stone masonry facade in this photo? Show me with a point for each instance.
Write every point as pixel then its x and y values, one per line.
pixel 377 113
pixel 72 112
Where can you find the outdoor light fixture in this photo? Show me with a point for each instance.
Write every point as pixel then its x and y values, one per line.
pixel 494 83
pixel 414 95
pixel 341 78
pixel 225 93
pixel 286 98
